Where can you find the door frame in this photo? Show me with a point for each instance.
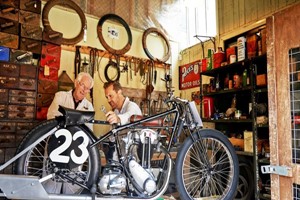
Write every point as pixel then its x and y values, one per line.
pixel 282 35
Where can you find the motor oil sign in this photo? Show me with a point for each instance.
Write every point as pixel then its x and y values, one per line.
pixel 189 75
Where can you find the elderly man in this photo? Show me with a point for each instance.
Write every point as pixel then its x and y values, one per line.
pixel 75 98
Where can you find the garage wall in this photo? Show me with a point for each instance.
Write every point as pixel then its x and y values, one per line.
pixel 234 14
pixel 66 21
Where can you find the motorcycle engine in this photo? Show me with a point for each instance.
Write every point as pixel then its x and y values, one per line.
pixel 139 165
pixel 113 181
pixel 137 148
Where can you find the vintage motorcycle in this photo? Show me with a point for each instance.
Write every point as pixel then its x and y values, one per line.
pixel 60 158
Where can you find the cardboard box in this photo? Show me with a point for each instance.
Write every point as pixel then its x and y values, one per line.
pixel 261 79
pixel 248 142
pixel 237 143
pixel 252 46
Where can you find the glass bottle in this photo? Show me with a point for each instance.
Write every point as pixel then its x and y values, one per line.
pixel 245 76
pixel 233 101
pixel 226 82
pixel 218 83
pixel 236 80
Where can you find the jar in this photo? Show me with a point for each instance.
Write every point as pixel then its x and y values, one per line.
pixel 230 84
pixel 236 81
pixel 232 59
pixel 237 114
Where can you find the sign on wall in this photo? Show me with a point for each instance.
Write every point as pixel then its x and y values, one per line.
pixel 189 75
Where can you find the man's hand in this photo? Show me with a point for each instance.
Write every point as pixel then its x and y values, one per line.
pixel 112 117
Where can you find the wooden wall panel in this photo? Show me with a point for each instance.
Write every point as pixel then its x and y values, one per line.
pixel 250 11
pixel 237 14
pixel 241 11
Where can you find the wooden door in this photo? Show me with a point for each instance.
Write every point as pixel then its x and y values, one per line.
pixel 283 45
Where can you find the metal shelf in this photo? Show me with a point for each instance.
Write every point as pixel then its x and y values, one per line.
pixel 228 120
pixel 251 94
pixel 235 90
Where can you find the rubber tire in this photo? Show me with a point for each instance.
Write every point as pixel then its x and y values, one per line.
pixel 162 35
pixel 70 4
pixel 246 173
pixel 102 40
pixel 42 129
pixel 188 142
pixel 114 65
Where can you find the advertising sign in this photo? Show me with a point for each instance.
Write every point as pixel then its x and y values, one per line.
pixel 189 75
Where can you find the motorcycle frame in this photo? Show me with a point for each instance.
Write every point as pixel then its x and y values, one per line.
pixel 177 127
pixel 115 131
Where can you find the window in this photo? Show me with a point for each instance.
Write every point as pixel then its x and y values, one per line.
pixel 184 19
pixel 200 20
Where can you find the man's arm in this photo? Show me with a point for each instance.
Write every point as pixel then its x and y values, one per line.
pixel 53 108
pixel 132 109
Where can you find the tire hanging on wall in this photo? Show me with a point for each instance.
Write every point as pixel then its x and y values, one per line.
pixel 117 18
pixel 112 65
pixel 65 3
pixel 162 35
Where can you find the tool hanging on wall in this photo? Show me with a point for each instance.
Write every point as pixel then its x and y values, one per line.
pixel 155 74
pixel 93 57
pixel 85 67
pixel 77 61
pixel 149 86
pixel 128 62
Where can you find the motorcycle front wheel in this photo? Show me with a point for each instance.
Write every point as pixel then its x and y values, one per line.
pixel 207 167
pixel 36 162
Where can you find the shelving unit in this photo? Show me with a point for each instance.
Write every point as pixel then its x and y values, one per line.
pixel 251 100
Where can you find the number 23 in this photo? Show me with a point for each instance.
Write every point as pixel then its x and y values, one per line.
pixel 56 156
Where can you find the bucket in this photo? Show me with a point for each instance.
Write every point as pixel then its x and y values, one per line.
pixel 219 57
pixel 203 64
pixel 208 107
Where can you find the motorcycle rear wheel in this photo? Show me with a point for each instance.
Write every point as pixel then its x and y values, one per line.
pixel 36 162
pixel 207 166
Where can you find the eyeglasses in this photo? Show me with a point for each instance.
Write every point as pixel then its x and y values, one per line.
pixel 83 86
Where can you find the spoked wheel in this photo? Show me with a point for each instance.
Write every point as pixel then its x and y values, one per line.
pixel 207 167
pixel 36 162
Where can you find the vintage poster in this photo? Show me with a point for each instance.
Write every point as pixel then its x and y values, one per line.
pixel 189 75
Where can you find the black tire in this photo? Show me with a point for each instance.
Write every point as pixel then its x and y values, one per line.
pixel 245 189
pixel 36 162
pixel 112 71
pixel 121 21
pixel 207 166
pixel 162 35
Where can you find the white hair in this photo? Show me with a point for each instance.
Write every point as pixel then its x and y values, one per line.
pixel 84 74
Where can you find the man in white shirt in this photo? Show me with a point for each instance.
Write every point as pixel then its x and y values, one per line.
pixel 122 110
pixel 122 107
pixel 75 98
